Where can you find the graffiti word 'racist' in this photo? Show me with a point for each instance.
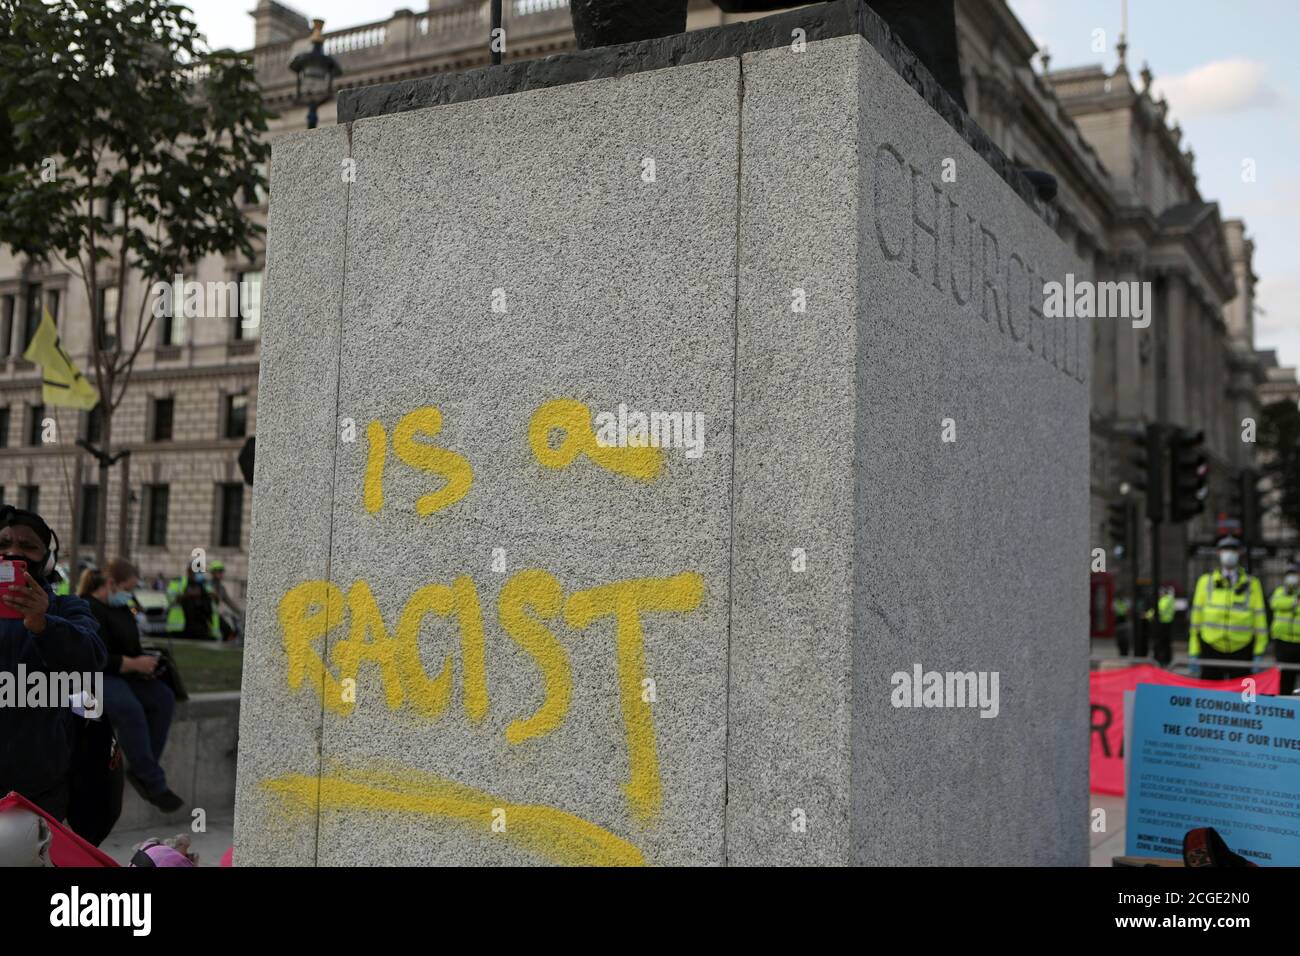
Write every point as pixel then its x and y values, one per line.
pixel 529 600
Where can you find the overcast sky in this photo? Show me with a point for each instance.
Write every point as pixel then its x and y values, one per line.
pixel 1228 69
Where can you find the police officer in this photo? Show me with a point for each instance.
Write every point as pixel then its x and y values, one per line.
pixel 1228 617
pixel 1121 606
pixel 1161 619
pixel 191 611
pixel 1285 603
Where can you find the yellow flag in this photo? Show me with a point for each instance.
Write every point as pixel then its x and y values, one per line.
pixel 64 384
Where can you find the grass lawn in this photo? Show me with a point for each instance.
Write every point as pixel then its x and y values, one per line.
pixel 204 665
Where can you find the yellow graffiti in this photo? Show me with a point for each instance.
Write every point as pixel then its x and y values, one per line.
pixel 440 461
pixel 541 592
pixel 545 831
pixel 454 468
pixel 376 456
pixel 472 646
pixel 312 609
pixel 625 601
pixel 574 419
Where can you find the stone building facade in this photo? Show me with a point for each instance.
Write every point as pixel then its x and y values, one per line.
pixel 1129 203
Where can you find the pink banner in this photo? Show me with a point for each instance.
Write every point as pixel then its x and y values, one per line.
pixel 1106 694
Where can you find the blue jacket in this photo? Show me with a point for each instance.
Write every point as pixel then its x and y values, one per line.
pixel 36 742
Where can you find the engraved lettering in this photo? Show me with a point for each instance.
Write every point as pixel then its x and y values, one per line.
pixel 884 155
pixel 1014 299
pixel 969 230
pixel 919 223
pixel 990 284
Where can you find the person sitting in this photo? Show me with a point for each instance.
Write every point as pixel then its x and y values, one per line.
pixel 46 634
pixel 139 707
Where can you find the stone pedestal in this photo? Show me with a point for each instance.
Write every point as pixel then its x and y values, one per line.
pixel 487 627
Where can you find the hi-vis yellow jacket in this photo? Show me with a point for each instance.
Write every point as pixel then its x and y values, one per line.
pixel 1228 617
pixel 1286 607
pixel 1166 607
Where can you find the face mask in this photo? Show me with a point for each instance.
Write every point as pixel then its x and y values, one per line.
pixel 1228 558
pixel 1291 580
pixel 120 599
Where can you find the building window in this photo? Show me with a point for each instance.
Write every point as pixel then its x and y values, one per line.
pixel 89 522
pixel 34 425
pixel 163 411
pixel 4 427
pixel 248 317
pixel 30 496
pixel 114 215
pixel 52 305
pixel 33 314
pixel 236 416
pixel 155 527
pixel 232 515
pixel 7 305
pixel 108 317
pixel 258 197
pixel 171 330
pixel 95 425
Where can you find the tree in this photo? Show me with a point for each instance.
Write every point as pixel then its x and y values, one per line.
pixel 1279 457
pixel 125 146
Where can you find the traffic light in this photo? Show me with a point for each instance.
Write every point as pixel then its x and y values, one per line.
pixel 1247 501
pixel 1189 475
pixel 1117 521
pixel 1149 459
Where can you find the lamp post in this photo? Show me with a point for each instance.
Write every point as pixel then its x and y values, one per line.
pixel 316 71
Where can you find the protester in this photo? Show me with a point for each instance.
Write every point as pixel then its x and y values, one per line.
pixel 54 635
pixel 97 780
pixel 139 707
pixel 172 852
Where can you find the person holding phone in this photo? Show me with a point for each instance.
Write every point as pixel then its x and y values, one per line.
pixel 139 706
pixel 39 633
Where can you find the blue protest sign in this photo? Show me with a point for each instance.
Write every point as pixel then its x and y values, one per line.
pixel 1203 758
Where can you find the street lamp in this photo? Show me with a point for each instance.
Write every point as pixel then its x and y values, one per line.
pixel 316 71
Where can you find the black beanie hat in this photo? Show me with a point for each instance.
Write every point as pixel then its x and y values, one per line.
pixel 9 516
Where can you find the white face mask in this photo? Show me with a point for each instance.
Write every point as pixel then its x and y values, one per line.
pixel 1291 580
pixel 1228 559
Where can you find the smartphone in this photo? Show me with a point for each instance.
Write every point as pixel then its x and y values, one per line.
pixel 11 576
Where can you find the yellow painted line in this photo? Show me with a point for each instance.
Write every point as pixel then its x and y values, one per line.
pixel 552 834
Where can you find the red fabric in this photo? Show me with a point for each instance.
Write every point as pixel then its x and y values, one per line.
pixel 66 849
pixel 1106 695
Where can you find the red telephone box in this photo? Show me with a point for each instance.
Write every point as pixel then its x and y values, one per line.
pixel 1101 604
